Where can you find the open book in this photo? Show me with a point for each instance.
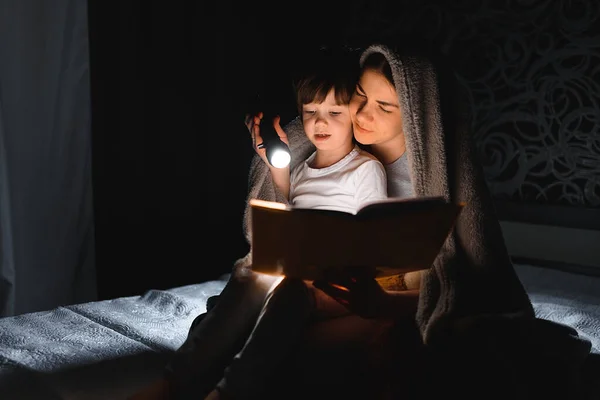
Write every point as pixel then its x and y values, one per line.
pixel 394 236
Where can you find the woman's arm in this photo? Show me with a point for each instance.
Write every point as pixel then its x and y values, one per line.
pixel 404 298
pixel 365 296
pixel 399 304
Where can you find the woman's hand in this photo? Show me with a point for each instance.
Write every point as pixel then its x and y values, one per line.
pixel 252 122
pixel 357 290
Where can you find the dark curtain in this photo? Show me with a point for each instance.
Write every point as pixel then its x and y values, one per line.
pixel 169 152
pixel 170 86
pixel 46 208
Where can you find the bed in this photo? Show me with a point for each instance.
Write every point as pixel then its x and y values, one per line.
pixel 107 349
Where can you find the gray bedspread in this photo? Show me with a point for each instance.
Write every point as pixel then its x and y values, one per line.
pixel 99 350
pixel 108 349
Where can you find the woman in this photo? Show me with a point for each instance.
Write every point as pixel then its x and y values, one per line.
pixel 465 327
pixel 470 305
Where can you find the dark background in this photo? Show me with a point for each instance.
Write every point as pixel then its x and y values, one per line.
pixel 171 83
pixel 170 86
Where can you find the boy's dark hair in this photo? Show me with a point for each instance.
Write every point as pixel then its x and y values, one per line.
pixel 323 70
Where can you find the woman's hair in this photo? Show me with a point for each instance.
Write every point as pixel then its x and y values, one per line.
pixel 378 63
pixel 328 69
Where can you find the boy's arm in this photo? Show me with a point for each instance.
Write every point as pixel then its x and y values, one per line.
pixel 281 179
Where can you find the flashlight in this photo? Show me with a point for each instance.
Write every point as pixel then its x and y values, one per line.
pixel 278 153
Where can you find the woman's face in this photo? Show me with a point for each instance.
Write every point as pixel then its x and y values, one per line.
pixel 375 110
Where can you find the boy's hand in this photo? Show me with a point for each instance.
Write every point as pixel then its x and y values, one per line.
pixel 252 122
pixel 356 289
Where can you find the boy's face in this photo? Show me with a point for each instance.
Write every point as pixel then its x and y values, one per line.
pixel 328 125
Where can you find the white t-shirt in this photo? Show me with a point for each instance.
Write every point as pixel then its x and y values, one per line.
pixel 345 186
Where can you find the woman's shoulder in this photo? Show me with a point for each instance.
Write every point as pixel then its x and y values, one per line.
pixel 366 157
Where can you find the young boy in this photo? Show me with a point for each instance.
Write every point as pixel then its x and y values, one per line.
pixel 338 175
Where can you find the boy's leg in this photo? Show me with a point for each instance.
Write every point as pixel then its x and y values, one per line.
pixel 280 327
pixel 198 364
pixel 315 335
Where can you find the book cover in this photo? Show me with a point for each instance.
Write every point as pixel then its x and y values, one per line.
pixel 394 236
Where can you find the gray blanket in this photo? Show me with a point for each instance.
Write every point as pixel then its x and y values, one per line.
pixel 472 276
pixel 99 350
